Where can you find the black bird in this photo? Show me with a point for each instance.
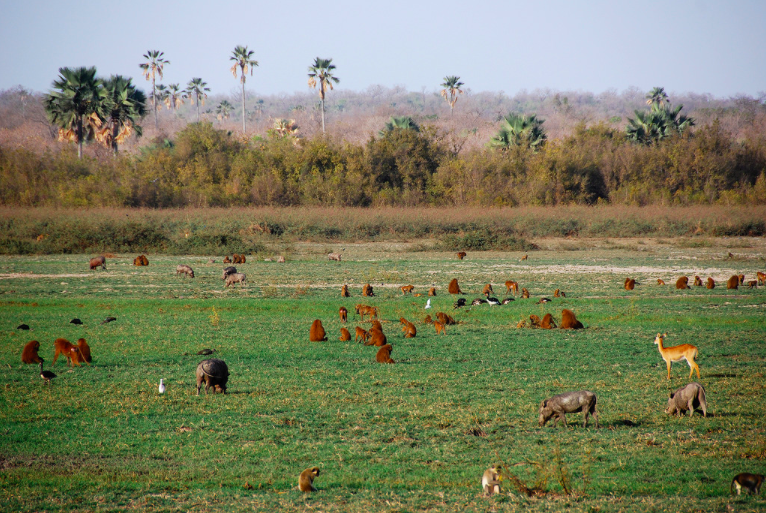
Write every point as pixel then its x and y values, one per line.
pixel 22 327
pixel 459 303
pixel 206 351
pixel 75 321
pixel 46 374
pixel 108 319
pixel 543 300
pixel 492 300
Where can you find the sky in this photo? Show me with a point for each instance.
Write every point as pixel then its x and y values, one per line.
pixel 712 47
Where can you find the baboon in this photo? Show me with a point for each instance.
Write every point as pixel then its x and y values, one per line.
pixel 367 291
pixel 376 324
pixel 432 291
pixel 363 310
pixel 534 321
pixel 445 319
pixel 733 283
pixel 306 479
pixel 377 338
pixel 317 333
pixel 29 353
pixel 487 289
pixel 697 281
pixel 70 352
pixel 461 255
pixel 682 283
pixel 558 293
pixel 408 328
pixel 569 321
pixel 761 278
pixel 660 281
pixel 547 322
pixel 453 287
pixel 741 279
pixel 384 354
pixel 752 284
pixel 511 287
pixel 344 291
pixel 630 283
pixel 710 283
pixel 343 313
pixel 407 289
pixel 524 293
pixel 84 350
pixel 226 260
pixel 345 336
pixel 428 320
pixel 141 260
pixel 524 257
pixel 440 328
pixel 361 334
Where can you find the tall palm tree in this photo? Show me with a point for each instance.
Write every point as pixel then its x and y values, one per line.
pixel 242 58
pixel 196 88
pixel 657 96
pixel 451 89
pixel 161 94
pixel 125 106
pixel 153 66
pixel 76 104
pixel 223 111
pixel 400 123
pixel 175 96
pixel 516 130
pixel 321 71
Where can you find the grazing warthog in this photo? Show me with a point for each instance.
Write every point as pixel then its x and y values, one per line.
pixel 334 256
pixel 227 271
pixel 184 269
pixel 690 397
pixel 233 278
pixel 213 373
pixel 98 261
pixel 568 402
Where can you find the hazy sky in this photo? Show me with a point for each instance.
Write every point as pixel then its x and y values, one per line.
pixel 701 46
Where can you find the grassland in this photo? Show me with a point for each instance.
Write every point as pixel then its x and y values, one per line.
pixel 414 436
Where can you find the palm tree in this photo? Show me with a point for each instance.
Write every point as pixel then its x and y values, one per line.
pixel 153 66
pixel 657 96
pixel 399 123
pixel 516 130
pixel 321 71
pixel 196 88
pixel 125 106
pixel 175 96
pixel 161 94
pixel 651 127
pixel 242 58
pixel 451 89
pixel 76 104
pixel 224 110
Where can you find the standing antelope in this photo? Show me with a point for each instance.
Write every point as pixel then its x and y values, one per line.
pixel 686 352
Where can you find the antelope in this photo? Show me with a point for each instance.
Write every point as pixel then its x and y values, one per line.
pixel 686 352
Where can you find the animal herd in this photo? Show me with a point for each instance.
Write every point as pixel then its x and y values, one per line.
pixel 214 373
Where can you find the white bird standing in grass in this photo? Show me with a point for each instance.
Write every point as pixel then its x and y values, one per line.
pixel 162 386
pixel 428 304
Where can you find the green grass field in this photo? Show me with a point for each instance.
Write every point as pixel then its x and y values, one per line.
pixel 414 436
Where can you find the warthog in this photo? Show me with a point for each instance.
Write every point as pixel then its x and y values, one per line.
pixel 687 398
pixel 227 271
pixel 185 269
pixel 98 261
pixel 569 402
pixel 214 373
pixel 334 256
pixel 233 278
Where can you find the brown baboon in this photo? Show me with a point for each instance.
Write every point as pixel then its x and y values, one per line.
pixel 733 282
pixel 84 350
pixel 345 336
pixel 558 293
pixel 344 291
pixel 524 257
pixel 487 289
pixel 363 310
pixel 407 289
pixel 453 287
pixel 226 260
pixel 432 291
pixel 376 324
pixel 741 279
pixel 752 284
pixel 521 324
pixel 367 290
pixel 534 321
pixel 141 260
pixel 29 353
pixel 547 322
pixel 377 338
pixel 511 287
pixel 440 328
pixel 361 334
pixel 70 352
pixel 408 328
pixel 428 320
pixel 630 283
pixel 761 278
pixel 524 293
pixel 710 283
pixel 445 319
pixel 461 255
pixel 384 354
pixel 660 281
pixel 317 333
pixel 697 281
pixel 343 313
pixel 569 321
pixel 682 283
